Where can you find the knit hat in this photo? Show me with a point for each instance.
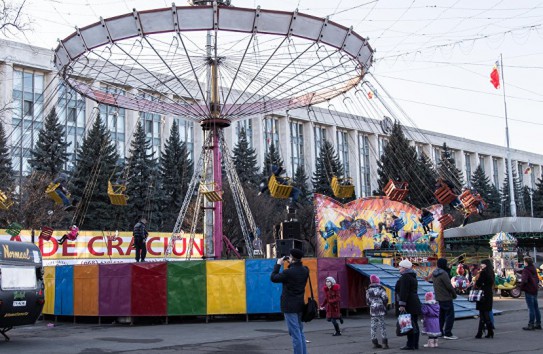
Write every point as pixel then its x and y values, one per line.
pixel 374 279
pixel 442 263
pixel 429 296
pixel 406 264
pixel 331 280
pixel 296 253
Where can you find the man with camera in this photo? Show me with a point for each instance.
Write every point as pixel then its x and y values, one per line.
pixel 294 280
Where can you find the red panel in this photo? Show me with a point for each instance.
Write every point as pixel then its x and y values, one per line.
pixel 356 260
pixel 149 289
pixel 357 288
pixel 334 267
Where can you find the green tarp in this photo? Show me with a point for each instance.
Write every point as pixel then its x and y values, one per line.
pixel 187 288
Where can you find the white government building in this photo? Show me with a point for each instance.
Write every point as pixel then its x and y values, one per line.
pixel 28 84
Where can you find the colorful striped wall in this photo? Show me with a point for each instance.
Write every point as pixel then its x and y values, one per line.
pixel 187 288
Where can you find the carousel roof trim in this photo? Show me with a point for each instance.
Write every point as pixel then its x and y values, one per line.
pixel 493 226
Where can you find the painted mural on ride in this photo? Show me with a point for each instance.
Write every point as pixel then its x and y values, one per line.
pixel 375 223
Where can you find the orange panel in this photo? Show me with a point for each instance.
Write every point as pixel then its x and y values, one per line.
pixel 86 290
pixel 311 263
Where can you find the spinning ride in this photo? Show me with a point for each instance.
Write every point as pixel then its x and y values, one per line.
pixel 213 64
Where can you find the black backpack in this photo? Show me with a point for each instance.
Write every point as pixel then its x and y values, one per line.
pixel 311 309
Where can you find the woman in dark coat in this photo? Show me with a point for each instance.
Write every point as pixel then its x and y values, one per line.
pixel 485 282
pixel 408 301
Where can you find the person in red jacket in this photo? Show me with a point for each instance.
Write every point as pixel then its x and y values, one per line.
pixel 331 303
pixel 529 285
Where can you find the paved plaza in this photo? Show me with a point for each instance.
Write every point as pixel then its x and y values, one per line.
pixel 233 335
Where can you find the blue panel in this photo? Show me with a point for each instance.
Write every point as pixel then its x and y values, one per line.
pixel 263 296
pixel 64 290
pixel 390 275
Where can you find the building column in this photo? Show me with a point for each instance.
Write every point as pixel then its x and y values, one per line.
pixel 354 160
pixel 373 140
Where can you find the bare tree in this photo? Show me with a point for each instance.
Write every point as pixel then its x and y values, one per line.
pixel 13 18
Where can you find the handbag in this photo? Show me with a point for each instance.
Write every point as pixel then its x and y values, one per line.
pixel 404 324
pixel 476 295
pixel 311 309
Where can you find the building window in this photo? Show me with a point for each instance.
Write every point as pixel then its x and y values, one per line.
pixel 343 150
pixel 520 173
pixel 495 176
pixel 532 176
pixel 437 155
pixel 71 113
pixel 186 134
pixel 246 124
pixel 382 142
pixel 320 137
pixel 152 124
pixel 364 148
pixel 297 145
pixel 27 116
pixel 114 119
pixel 467 157
pixel 482 161
pixel 271 133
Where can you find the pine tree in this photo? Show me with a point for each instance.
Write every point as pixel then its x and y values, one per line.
pixel 176 170
pixel 481 183
pixel 538 198
pixel 245 160
pixel 49 155
pixel 142 183
pixel 271 158
pixel 327 166
pixel 95 164
pixel 6 170
pixel 506 199
pixel 425 178
pixel 447 169
pixel 300 181
pixel 527 200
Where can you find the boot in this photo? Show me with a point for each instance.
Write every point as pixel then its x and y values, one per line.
pixel 385 343
pixel 537 326
pixel 336 327
pixel 61 240
pixel 480 329
pixel 436 343
pixel 489 330
pixel 530 327
pixel 376 343
pixel 429 344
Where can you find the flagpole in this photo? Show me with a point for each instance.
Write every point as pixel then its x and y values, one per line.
pixel 509 164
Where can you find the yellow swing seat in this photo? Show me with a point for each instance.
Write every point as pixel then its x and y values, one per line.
pixel 116 193
pixel 51 192
pixel 208 190
pixel 279 190
pixel 342 187
pixel 5 202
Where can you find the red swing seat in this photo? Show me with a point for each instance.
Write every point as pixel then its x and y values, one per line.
pixel 46 233
pixel 396 190
pixel 445 220
pixel 444 194
pixel 467 199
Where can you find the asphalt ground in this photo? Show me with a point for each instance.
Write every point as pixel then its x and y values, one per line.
pixel 231 334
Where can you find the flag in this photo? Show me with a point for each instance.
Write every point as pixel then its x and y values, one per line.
pixel 528 171
pixel 495 76
pixel 370 95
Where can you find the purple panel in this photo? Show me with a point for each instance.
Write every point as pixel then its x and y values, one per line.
pixel 336 268
pixel 114 295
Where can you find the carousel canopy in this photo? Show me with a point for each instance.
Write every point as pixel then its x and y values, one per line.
pixel 503 239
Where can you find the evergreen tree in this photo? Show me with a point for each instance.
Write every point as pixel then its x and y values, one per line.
pixel 327 166
pixel 49 155
pixel 142 183
pixel 6 170
pixel 176 170
pixel 447 169
pixel 506 199
pixel 538 198
pixel 300 182
pixel 245 160
pixel 399 162
pixel 96 162
pixel 527 195
pixel 481 183
pixel 272 157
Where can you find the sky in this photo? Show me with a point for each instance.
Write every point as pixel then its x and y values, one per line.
pixel 433 57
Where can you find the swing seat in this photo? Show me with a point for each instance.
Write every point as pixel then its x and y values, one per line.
pixel 427 220
pixel 46 233
pixel 444 194
pixel 14 229
pixel 117 193
pixel 51 193
pixel 279 190
pixel 396 191
pixel 210 192
pixel 467 199
pixel 5 202
pixel 342 187
pixel 445 220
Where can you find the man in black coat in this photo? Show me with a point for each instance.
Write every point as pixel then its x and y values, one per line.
pixel 294 280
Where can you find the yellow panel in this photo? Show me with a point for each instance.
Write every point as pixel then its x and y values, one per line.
pixel 311 263
pixel 389 295
pixel 86 290
pixel 49 281
pixel 226 291
pixel 388 261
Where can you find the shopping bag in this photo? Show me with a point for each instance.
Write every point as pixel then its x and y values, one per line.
pixel 475 295
pixel 404 324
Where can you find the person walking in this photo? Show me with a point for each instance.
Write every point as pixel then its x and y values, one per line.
pixel 430 315
pixel 140 237
pixel 485 282
pixel 529 285
pixel 331 303
pixel 377 300
pixel 408 301
pixel 444 294
pixel 294 280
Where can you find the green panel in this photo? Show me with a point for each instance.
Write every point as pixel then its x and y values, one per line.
pixel 187 288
